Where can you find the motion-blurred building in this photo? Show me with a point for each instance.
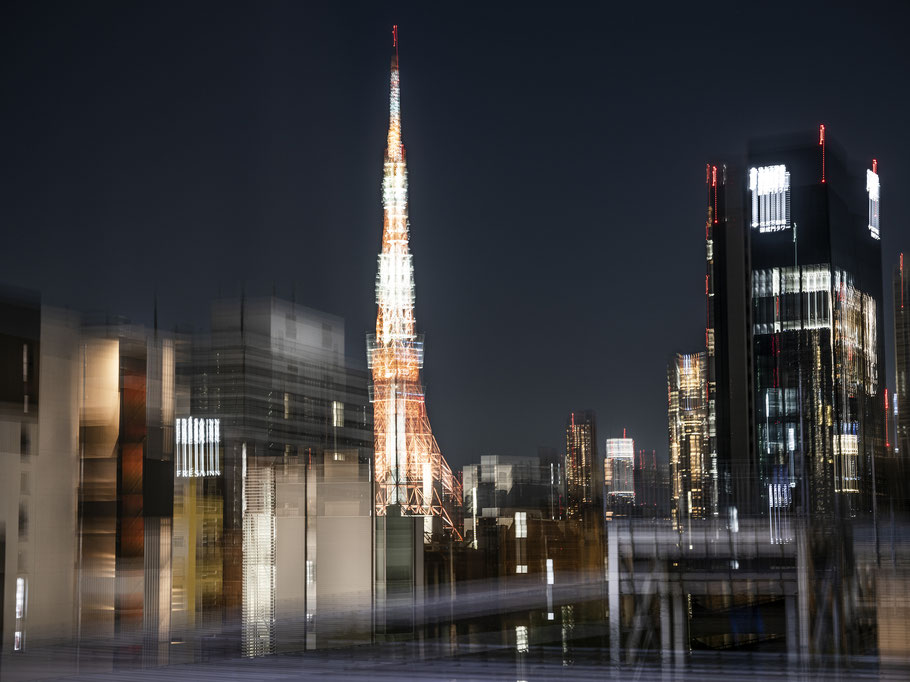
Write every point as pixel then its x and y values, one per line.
pixel 901 291
pixel 619 480
pixel 499 487
pixel 584 474
pixel 126 489
pixel 39 472
pixel 811 264
pixel 692 478
pixel 291 454
pixel 652 486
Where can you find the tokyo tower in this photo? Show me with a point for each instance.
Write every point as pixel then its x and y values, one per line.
pixel 409 469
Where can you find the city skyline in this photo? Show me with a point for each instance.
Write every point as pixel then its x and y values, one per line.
pixel 245 190
pixel 215 441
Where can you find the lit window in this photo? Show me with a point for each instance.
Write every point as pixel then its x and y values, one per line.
pixel 521 638
pixel 17 641
pixel 310 572
pixel 549 571
pixel 770 187
pixel 20 597
pixel 337 414
pixel 521 524
pixel 287 406
pixel 521 568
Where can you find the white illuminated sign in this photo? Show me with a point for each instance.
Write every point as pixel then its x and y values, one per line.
pixel 620 448
pixel 770 187
pixel 198 447
pixel 873 188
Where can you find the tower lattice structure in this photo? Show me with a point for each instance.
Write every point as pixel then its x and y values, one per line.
pixel 409 469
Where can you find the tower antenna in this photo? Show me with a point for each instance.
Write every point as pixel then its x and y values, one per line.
pixel 395 40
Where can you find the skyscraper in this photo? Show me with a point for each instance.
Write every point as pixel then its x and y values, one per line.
pixel 728 351
pixel 810 236
pixel 409 470
pixel 619 482
pixel 584 473
pixel 690 465
pixel 902 358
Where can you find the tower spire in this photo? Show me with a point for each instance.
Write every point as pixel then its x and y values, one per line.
pixel 410 471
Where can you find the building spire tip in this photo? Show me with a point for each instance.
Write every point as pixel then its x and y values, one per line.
pixel 395 45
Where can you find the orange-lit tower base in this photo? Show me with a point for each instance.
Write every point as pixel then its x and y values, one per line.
pixel 409 470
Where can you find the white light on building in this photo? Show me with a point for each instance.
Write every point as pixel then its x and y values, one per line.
pixel 20 597
pixel 521 638
pixel 521 524
pixel 198 451
pixel 770 187
pixel 873 188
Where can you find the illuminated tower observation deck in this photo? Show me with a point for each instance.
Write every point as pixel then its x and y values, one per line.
pixel 409 470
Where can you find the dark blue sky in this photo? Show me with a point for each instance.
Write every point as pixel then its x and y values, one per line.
pixel 556 157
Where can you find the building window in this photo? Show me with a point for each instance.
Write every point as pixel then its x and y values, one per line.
pixel 521 638
pixel 310 572
pixel 770 187
pixel 287 405
pixel 337 414
pixel 17 641
pixel 20 597
pixel 521 568
pixel 521 525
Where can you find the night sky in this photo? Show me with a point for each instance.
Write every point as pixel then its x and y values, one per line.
pixel 556 158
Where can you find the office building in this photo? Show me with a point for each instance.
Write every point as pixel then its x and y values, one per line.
pixel 619 483
pixel 810 225
pixel 281 432
pixel 690 465
pixel 126 489
pixel 584 474
pixel 39 470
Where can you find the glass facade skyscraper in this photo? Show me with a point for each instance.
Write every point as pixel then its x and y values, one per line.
pixel 582 471
pixel 811 267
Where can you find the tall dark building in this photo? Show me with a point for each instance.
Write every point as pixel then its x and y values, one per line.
pixel 902 359
pixel 805 248
pixel 730 440
pixel 584 470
